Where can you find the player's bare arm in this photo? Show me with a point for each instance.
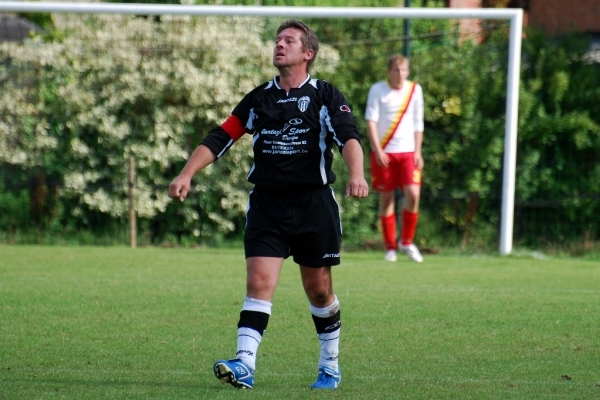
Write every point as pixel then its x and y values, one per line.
pixel 354 159
pixel 419 161
pixel 380 155
pixel 199 159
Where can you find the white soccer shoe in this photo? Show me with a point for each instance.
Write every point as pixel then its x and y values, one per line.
pixel 411 250
pixel 390 255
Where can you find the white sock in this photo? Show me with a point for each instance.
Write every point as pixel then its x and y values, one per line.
pixel 247 346
pixel 248 339
pixel 330 341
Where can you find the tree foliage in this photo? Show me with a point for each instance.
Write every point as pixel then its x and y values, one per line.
pixel 559 128
pixel 75 104
pixel 119 86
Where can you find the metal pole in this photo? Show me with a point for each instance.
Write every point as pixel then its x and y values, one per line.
pixel 406 40
pixel 131 195
pixel 510 136
pixel 265 11
pixel 516 25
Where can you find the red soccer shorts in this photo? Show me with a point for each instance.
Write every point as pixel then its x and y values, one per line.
pixel 400 172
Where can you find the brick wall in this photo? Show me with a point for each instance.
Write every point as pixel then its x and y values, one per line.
pixel 464 3
pixel 469 28
pixel 553 16
pixel 561 16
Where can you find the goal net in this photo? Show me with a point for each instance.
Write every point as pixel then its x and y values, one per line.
pixel 103 82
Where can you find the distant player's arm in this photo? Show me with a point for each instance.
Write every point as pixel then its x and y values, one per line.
pixel 380 155
pixel 372 115
pixel 419 122
pixel 419 162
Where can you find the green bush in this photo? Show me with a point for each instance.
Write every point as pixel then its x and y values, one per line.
pixel 74 106
pixel 14 210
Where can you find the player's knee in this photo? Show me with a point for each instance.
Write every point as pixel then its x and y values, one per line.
pixel 321 298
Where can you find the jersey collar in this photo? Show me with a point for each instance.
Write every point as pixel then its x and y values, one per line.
pixel 276 82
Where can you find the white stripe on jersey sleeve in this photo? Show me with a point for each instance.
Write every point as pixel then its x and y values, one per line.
pixel 325 123
pixel 227 146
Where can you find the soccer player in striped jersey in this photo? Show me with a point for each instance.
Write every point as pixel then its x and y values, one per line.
pixel 295 120
pixel 394 117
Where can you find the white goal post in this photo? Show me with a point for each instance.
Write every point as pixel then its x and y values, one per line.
pixel 514 16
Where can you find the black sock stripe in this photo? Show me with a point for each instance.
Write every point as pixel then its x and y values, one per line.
pixel 328 324
pixel 327 340
pixel 250 336
pixel 254 320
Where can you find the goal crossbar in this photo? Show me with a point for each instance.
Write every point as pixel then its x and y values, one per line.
pixel 513 15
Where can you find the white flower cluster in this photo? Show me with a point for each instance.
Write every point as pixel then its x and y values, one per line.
pixel 118 86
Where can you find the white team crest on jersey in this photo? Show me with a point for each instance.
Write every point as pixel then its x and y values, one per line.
pixel 303 103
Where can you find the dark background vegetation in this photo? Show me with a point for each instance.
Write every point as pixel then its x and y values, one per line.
pixel 464 82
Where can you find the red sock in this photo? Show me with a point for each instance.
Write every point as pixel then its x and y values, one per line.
pixel 409 226
pixel 388 226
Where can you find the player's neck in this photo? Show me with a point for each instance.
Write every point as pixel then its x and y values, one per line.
pixel 395 85
pixel 291 79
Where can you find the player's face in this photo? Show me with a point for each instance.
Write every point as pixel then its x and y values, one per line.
pixel 288 49
pixel 398 74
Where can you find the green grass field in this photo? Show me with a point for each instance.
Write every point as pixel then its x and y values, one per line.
pixel 117 323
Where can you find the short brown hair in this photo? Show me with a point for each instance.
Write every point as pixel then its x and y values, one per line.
pixel 309 38
pixel 394 60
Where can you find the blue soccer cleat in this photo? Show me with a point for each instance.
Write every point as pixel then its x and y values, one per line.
pixel 327 379
pixel 234 372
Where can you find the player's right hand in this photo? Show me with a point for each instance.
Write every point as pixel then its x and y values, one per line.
pixel 382 159
pixel 179 188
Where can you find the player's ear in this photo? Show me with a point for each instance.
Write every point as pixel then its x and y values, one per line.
pixel 309 55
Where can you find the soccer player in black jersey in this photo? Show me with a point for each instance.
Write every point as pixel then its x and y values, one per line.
pixel 295 120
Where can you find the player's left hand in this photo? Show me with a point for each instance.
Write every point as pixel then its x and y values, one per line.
pixel 179 188
pixel 357 187
pixel 419 162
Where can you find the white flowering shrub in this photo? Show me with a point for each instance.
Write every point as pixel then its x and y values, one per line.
pixel 117 86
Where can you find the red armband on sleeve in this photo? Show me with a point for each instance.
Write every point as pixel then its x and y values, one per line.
pixel 234 128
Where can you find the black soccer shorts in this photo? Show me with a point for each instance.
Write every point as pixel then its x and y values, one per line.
pixel 307 226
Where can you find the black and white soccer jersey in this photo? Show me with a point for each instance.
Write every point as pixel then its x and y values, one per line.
pixel 293 133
